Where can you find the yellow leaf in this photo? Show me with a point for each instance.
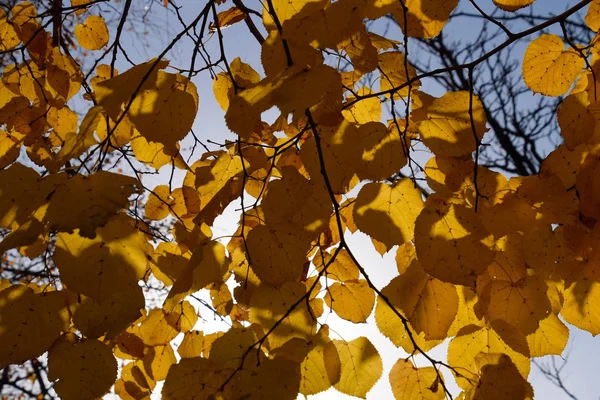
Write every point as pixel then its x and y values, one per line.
pixel 158 360
pixel 63 76
pixel 157 205
pixel 157 119
pixel 207 265
pixel 183 317
pixel 522 303
pixel 499 379
pixel 342 152
pixel 363 111
pixel 358 46
pixel 292 91
pixel 30 30
pixel 276 257
pixel 165 113
pixel 84 369
pixel 588 186
pixel 197 378
pixel 285 10
pixel 425 18
pixel 383 43
pixel 321 368
pixel 269 304
pixel 75 144
pixel 447 130
pixel 391 326
pixel 466 315
pixel 186 202
pixel 109 316
pixel 296 206
pixel 341 269
pixel 550 337
pixel 548 68
pixel 22 192
pixel 388 212
pixel 541 250
pixel 81 4
pixel 156 328
pixel 168 262
pixel 9 148
pixel 512 5
pixel 92 34
pixel 411 383
pixel 592 18
pixel 547 196
pixel 151 153
pixel 191 345
pixel 576 122
pixel 129 346
pixel 385 151
pixel 324 26
pixel 472 340
pixel 452 244
pixel 229 349
pixel 134 383
pixel 582 305
pixel 8 36
pixel 565 163
pixel 244 76
pixel 227 18
pixel 64 120
pixel 361 366
pixel 222 300
pixel 218 182
pixel 101 196
pixel 274 59
pixel 29 324
pixel 112 262
pixel 120 135
pixel 396 71
pixel 276 378
pixel 429 304
pixel 405 254
pixel 351 300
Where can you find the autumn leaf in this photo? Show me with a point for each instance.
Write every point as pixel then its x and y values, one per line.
pixel 548 68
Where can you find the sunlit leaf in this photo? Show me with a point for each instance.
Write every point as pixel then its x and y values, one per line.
pixel 361 366
pixel 92 34
pixel 84 369
pixel 548 68
pixel 388 212
pixel 351 300
pixel 448 130
pixel 452 244
pixel 411 383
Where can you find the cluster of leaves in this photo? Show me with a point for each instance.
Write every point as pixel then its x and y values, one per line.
pixel 491 262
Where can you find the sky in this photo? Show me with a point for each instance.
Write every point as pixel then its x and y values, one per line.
pixel 582 352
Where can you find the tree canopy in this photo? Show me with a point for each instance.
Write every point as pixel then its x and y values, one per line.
pixel 335 132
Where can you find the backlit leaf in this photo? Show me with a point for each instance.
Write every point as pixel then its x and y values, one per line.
pixel 429 304
pixel 351 300
pixel 411 383
pixel 84 369
pixel 361 366
pixel 548 68
pixel 29 323
pixel 448 131
pixel 452 244
pixel 92 34
pixel 512 5
pixel 388 212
